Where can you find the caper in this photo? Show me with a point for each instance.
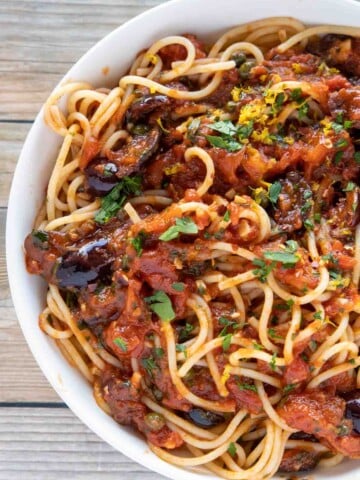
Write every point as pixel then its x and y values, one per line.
pixel 140 129
pixel 155 421
pixel 239 58
pixel 245 68
pixel 230 106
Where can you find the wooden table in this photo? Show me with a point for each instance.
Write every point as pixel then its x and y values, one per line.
pixel 40 438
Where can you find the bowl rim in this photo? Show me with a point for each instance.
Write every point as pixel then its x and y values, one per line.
pixel 155 464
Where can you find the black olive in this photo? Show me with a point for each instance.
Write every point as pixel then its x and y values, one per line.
pixel 87 265
pixel 146 105
pixel 307 437
pixel 129 158
pixel 352 411
pixel 244 69
pixel 101 176
pixel 204 418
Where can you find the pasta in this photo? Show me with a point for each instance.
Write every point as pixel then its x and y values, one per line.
pixel 201 245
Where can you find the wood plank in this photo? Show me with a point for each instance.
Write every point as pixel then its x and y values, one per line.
pixel 52 444
pixel 52 36
pixel 12 137
pixel 21 378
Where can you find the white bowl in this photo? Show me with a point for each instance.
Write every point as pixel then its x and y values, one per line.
pixel 116 51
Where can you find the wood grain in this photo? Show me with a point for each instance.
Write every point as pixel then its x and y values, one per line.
pixel 52 444
pixel 42 39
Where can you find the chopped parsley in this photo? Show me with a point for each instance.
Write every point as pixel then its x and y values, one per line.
pixel 226 342
pixel 228 144
pixel 286 258
pixel 257 346
pixel 303 110
pixel 185 332
pixel 291 246
pixel 182 225
pixel 273 361
pixel 226 217
pixel 158 352
pixel 227 324
pixel 357 157
pixel 272 334
pixel 160 304
pixel 149 364
pixel 232 449
pixel 121 343
pixel 138 242
pixel 288 388
pixel 231 136
pixel 349 187
pixel 40 235
pixel 263 269
pixel 317 316
pixel 308 224
pixel 247 386
pixel 115 199
pixel 338 157
pixel 341 143
pixel 182 349
pixel 296 95
pixel 274 192
pixel 178 286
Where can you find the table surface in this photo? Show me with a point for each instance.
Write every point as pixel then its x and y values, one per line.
pixel 39 437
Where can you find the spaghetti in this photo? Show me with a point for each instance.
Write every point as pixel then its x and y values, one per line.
pixel 201 244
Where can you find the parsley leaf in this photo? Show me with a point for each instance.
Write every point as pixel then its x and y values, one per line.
pixel 349 187
pixel 273 361
pixel 149 364
pixel 40 235
pixel 231 449
pixel 247 386
pixel 288 388
pixel 226 127
pixel 178 286
pixel 291 246
pixel 137 242
pixel 115 199
pixel 263 269
pixel 342 142
pixel 274 192
pixel 182 349
pixel 185 332
pixel 226 217
pixel 227 342
pixel 272 334
pixel 182 225
pixel 308 224
pixel 227 324
pixel 160 304
pixel 296 95
pixel 286 258
pixel 226 143
pixel 121 343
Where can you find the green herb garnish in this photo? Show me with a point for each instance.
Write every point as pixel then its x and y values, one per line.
pixel 121 343
pixel 182 225
pixel 113 201
pixel 160 304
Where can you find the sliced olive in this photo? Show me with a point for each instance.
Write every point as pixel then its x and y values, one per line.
pixel 134 154
pixel 101 176
pixel 87 265
pixel 298 461
pixel 352 410
pixel 204 418
pixel 307 437
pixel 146 105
